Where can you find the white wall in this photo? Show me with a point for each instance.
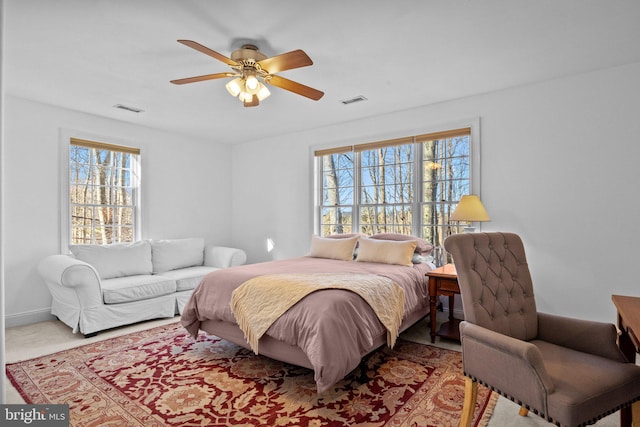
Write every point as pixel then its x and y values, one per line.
pixel 558 167
pixel 185 192
pixel 2 291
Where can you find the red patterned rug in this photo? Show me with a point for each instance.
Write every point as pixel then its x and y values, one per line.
pixel 164 377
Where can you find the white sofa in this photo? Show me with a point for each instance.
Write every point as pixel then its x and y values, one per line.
pixel 101 287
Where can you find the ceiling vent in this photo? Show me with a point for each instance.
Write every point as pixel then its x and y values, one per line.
pixel 127 108
pixel 353 100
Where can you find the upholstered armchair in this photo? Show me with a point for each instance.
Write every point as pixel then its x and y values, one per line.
pixel 568 371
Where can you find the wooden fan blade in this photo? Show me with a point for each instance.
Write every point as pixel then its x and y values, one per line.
pixel 286 61
pixel 294 87
pixel 253 103
pixel 207 51
pixel 201 78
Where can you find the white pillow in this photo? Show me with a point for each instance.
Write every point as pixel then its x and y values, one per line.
pixel 386 251
pixel 176 253
pixel 117 260
pixel 341 249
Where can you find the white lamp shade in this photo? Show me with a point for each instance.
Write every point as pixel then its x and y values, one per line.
pixel 252 85
pixel 263 93
pixel 234 86
pixel 470 209
pixel 246 97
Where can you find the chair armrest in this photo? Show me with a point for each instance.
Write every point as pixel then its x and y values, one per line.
pixel 587 336
pixel 71 280
pixel 511 366
pixel 223 257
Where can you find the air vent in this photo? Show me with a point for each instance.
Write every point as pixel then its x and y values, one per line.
pixel 353 100
pixel 126 107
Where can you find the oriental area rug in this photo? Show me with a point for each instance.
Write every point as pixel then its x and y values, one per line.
pixel 163 377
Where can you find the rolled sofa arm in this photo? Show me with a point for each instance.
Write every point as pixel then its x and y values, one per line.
pixel 223 257
pixel 513 367
pixel 71 281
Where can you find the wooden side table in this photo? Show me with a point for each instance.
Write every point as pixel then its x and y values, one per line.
pixel 443 281
pixel 628 324
pixel 629 340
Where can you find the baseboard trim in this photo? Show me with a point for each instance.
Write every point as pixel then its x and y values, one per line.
pixel 27 318
pixel 457 313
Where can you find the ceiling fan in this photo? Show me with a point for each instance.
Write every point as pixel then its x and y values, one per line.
pixel 252 69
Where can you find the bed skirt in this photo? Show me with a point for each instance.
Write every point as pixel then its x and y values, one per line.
pixel 284 352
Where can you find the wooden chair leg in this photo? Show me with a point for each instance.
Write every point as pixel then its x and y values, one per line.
pixel 523 412
pixel 630 416
pixel 626 417
pixel 470 396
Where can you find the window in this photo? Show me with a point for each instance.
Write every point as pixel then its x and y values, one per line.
pixel 446 178
pixel 104 188
pixel 407 185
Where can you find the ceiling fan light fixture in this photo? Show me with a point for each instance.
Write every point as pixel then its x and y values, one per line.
pixel 234 86
pixel 252 84
pixel 245 97
pixel 263 93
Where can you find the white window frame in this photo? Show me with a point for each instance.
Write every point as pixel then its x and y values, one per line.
pixel 65 210
pixel 474 173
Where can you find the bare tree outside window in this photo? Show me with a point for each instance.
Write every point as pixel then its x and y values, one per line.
pixel 446 179
pixel 407 188
pixel 386 184
pixel 337 193
pixel 103 185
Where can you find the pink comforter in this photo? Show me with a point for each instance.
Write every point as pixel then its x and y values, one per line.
pixel 333 327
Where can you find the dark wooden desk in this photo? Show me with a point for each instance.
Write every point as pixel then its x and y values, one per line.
pixel 443 281
pixel 629 339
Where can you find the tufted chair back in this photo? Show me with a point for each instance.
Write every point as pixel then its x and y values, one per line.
pixel 495 283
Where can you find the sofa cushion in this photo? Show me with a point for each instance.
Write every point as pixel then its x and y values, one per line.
pixel 136 288
pixel 188 278
pixel 176 253
pixel 117 260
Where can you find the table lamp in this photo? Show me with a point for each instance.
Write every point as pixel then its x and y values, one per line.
pixel 470 209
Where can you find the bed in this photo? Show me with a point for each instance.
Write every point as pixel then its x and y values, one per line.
pixel 330 330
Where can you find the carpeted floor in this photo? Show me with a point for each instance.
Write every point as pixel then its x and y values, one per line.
pixel 34 340
pixel 163 377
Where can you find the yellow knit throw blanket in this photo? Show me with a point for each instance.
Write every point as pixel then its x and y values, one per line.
pixel 260 301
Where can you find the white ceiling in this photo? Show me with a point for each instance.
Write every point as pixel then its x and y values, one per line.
pixel 91 55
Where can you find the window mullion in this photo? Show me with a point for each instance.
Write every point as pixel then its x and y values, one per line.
pixel 357 190
pixel 416 206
